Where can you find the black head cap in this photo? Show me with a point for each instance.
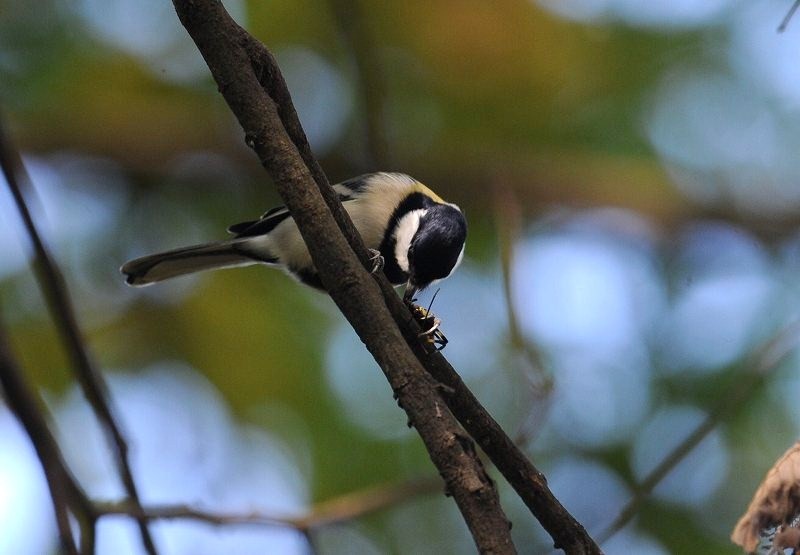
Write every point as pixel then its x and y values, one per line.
pixel 436 247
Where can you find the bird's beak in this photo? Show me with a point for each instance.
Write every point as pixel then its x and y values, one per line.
pixel 411 290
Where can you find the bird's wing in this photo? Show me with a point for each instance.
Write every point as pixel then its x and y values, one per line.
pixel 272 217
pixel 352 188
pixel 264 224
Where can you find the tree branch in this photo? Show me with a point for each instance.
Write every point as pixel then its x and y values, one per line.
pixel 530 360
pixel 55 291
pixel 788 16
pixel 341 509
pixel 64 489
pixel 223 44
pixel 529 483
pixel 526 480
pixel 67 494
pixel 758 365
pixel 354 27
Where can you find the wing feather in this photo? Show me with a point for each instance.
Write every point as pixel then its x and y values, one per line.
pixel 276 215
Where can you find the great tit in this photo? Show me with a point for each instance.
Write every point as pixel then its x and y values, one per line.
pixel 418 235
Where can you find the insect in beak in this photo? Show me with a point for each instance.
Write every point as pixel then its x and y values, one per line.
pixel 432 336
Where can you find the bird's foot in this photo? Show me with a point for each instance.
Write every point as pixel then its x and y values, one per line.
pixel 432 336
pixel 377 261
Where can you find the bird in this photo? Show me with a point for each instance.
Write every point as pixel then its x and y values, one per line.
pixel 416 237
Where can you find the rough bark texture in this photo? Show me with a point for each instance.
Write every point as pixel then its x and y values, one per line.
pixel 224 45
pixel 529 483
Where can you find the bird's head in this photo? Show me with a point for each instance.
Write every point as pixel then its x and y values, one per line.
pixel 436 248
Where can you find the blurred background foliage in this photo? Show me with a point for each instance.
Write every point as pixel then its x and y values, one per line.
pixel 649 152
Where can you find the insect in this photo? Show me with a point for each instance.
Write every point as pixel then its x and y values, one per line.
pixel 433 336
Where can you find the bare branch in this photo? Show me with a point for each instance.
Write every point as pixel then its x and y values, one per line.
pixel 759 364
pixel 354 27
pixel 26 405
pixel 341 509
pixel 529 483
pixel 508 224
pixel 55 291
pixel 223 44
pixel 360 503
pixel 788 17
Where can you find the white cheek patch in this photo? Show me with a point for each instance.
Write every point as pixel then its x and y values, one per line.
pixel 406 228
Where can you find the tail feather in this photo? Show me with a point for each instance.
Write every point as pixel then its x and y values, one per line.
pixel 165 265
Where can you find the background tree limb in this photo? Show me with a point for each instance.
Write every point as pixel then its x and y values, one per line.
pixel 55 292
pixel 26 407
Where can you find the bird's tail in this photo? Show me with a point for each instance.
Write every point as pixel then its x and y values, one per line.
pixel 178 262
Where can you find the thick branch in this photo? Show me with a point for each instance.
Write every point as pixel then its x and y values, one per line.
pixel 527 481
pixel 271 79
pixel 223 45
pixel 55 291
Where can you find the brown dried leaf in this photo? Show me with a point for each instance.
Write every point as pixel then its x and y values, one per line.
pixel 776 501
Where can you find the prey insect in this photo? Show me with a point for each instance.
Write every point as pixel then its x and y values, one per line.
pixel 432 335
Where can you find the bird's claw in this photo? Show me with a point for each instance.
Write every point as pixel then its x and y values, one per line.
pixel 436 323
pixel 432 336
pixel 377 261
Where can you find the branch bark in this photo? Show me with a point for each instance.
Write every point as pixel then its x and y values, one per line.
pixel 58 300
pixel 527 481
pixel 523 476
pixel 64 489
pixel 224 44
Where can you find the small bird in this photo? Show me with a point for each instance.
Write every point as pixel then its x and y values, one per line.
pixel 417 238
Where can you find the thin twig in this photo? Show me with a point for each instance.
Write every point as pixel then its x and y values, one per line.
pixel 67 493
pixel 758 365
pixel 788 17
pixel 64 489
pixel 178 512
pixel 311 543
pixel 88 536
pixel 360 503
pixel 508 225
pixel 345 508
pixel 55 290
pixel 354 26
